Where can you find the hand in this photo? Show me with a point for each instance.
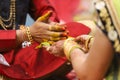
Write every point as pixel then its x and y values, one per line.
pixel 40 30
pixel 57 48
pixel 85 41
pixel 63 47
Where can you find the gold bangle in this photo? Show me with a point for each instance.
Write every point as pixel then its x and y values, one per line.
pixel 64 47
pixel 24 35
pixel 69 39
pixel 70 50
pixel 87 42
pixel 29 35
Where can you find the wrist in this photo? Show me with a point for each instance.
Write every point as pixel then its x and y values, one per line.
pixel 24 36
pixel 26 33
pixel 19 38
pixel 69 46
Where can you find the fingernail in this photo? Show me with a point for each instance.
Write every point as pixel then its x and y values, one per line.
pixel 63 28
pixel 67 31
pixel 64 34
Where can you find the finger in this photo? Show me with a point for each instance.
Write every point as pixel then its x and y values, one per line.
pixel 45 17
pixel 53 23
pixel 58 34
pixel 57 27
pixel 54 39
pixel 48 38
pixel 48 48
pixel 57 39
pixel 81 38
pixel 51 50
pixel 41 38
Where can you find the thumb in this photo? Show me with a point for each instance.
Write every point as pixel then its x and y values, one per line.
pixel 45 17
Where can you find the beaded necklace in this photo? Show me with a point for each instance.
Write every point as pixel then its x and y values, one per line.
pixel 10 21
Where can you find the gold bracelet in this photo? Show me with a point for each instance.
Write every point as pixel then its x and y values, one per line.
pixel 70 50
pixel 29 35
pixel 87 42
pixel 69 39
pixel 22 27
pixel 64 47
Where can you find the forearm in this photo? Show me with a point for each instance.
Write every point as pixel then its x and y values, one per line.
pixel 78 58
pixel 21 36
pixel 93 65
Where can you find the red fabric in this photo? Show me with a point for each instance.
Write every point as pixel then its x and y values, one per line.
pixel 40 7
pixel 31 63
pixel 76 29
pixel 7 38
pixel 66 9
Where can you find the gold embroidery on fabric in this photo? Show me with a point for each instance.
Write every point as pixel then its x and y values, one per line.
pixel 110 28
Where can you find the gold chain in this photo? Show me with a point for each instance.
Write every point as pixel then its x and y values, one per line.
pixel 11 19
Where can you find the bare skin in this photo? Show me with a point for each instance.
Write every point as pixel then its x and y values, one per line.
pixel 40 31
pixel 92 65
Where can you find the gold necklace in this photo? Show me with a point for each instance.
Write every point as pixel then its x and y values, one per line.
pixel 11 18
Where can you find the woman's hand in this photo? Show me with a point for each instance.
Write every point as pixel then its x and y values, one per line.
pixel 85 41
pixel 63 47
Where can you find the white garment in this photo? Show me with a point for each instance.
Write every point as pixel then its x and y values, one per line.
pixel 3 60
